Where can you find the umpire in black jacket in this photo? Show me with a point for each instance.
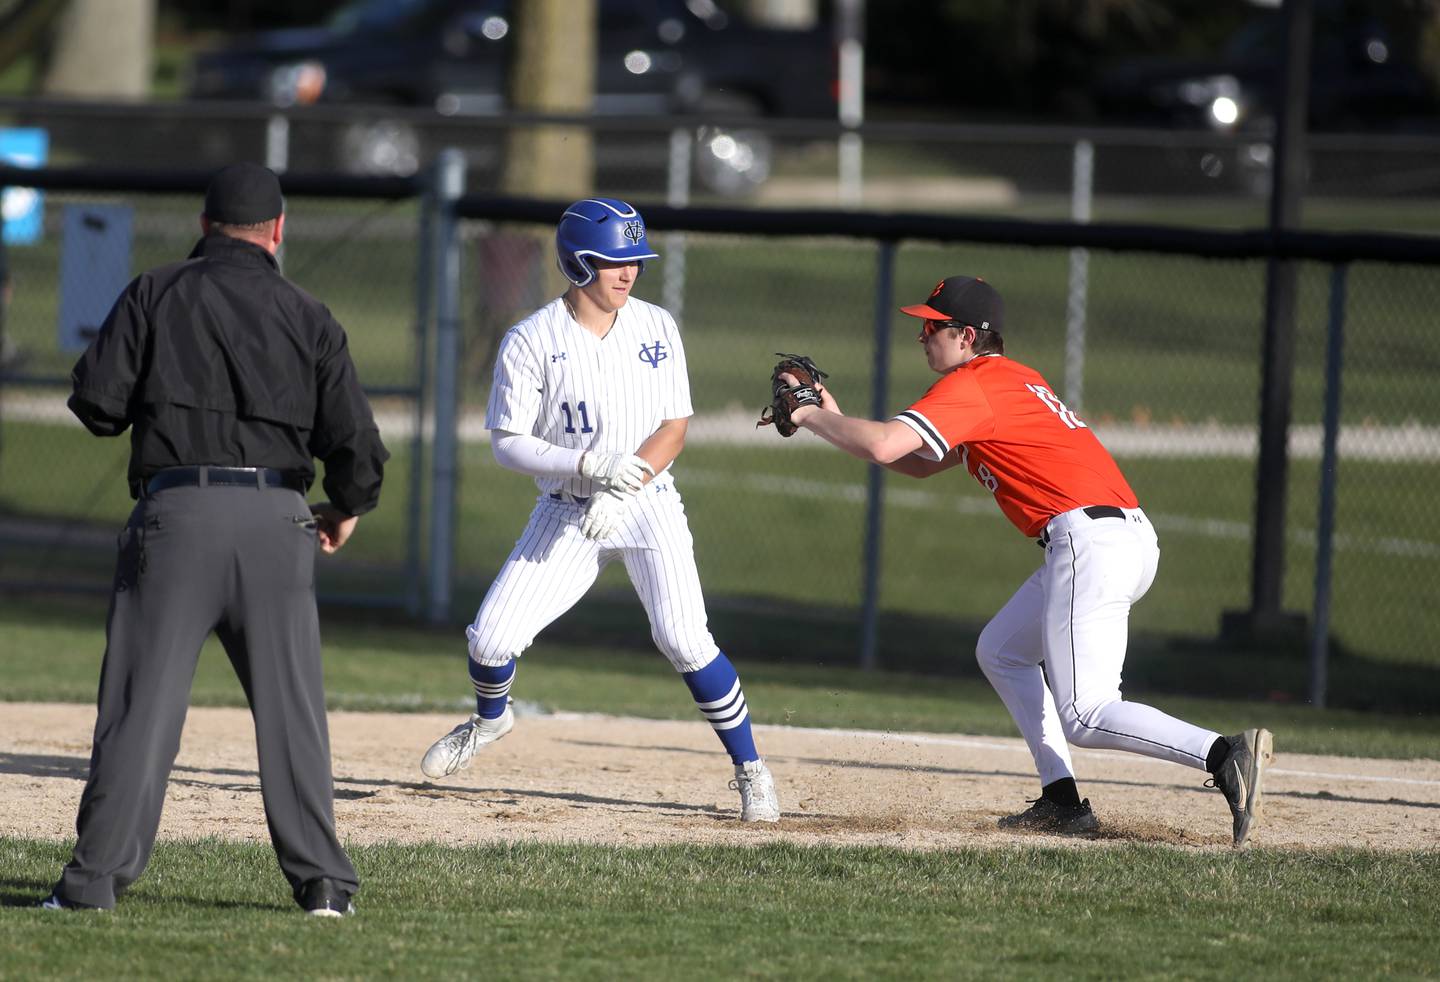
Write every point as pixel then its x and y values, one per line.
pixel 230 379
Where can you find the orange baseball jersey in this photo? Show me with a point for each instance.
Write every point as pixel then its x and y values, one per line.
pixel 1018 440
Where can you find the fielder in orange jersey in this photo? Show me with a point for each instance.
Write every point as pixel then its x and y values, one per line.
pixel 1055 651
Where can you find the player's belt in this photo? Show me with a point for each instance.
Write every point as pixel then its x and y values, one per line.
pixel 566 496
pixel 206 476
pixel 1094 511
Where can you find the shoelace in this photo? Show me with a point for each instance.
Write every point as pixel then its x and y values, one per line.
pixel 466 740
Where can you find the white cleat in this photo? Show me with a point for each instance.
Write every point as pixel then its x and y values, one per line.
pixel 758 800
pixel 453 751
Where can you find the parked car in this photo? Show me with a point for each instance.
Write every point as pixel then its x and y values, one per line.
pixel 453 58
pixel 1367 75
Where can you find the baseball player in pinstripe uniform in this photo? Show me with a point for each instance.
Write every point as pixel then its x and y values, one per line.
pixel 1055 651
pixel 592 399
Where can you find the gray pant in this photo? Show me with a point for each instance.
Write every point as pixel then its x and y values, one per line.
pixel 240 562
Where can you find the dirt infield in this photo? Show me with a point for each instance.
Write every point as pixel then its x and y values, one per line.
pixel 595 779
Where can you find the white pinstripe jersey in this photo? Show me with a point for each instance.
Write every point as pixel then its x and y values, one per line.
pixel 557 381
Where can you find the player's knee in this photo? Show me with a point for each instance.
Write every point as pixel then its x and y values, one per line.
pixel 492 648
pixel 984 653
pixel 1079 721
pixel 990 647
pixel 686 654
pixel 1077 733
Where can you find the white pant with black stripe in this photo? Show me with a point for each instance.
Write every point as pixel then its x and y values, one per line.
pixel 1072 617
pixel 552 566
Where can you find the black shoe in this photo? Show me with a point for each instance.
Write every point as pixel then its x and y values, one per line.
pixel 1239 779
pixel 322 898
pixel 57 902
pixel 1045 815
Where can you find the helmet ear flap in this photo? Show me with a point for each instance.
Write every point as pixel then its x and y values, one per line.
pixel 575 269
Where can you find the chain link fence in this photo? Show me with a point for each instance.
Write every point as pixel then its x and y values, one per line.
pixel 63 492
pixel 1159 352
pixel 1171 385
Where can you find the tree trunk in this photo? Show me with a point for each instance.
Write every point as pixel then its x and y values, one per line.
pixel 103 49
pixel 553 72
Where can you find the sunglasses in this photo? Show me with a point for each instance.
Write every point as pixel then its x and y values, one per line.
pixel 930 327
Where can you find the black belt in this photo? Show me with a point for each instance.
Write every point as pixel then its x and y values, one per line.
pixel 575 498
pixel 1094 511
pixel 230 477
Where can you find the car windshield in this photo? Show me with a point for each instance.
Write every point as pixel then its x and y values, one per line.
pixel 375 15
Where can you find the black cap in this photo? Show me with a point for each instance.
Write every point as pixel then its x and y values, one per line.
pixel 243 194
pixel 965 300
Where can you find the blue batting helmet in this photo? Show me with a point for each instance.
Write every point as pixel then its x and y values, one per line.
pixel 599 228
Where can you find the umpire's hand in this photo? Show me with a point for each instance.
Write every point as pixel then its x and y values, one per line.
pixel 332 526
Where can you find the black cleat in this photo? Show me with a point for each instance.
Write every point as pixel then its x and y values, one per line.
pixel 1045 815
pixel 1240 777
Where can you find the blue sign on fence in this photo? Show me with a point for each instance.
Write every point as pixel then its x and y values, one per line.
pixel 94 269
pixel 23 209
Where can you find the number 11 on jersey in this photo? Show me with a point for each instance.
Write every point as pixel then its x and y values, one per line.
pixel 585 426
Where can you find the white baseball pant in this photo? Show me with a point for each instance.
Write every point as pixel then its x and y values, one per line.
pixel 1072 617
pixel 552 566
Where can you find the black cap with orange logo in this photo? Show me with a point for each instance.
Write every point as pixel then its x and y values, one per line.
pixel 965 300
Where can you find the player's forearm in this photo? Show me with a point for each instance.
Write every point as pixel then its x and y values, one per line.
pixel 664 445
pixel 526 454
pixel 867 439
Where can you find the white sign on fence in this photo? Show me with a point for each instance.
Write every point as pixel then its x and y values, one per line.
pixel 94 268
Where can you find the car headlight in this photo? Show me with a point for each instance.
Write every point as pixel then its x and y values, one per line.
pixel 1224 112
pixel 297 84
pixel 1218 95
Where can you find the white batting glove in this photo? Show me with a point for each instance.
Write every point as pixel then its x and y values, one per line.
pixel 603 514
pixel 618 471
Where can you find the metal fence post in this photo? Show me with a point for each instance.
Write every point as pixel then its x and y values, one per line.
pixel 1266 620
pixel 449 186
pixel 424 306
pixel 277 143
pixel 875 476
pixel 851 148
pixel 677 195
pixel 1329 463
pixel 1082 193
pixel 277 158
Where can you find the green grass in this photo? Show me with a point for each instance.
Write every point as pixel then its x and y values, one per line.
pixel 211 909
pixel 221 909
pixel 593 663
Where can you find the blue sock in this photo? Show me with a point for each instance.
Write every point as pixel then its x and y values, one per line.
pixel 717 692
pixel 492 687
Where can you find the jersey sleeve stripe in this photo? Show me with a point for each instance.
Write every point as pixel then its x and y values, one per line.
pixel 928 433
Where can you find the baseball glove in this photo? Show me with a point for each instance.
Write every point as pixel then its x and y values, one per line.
pixel 786 398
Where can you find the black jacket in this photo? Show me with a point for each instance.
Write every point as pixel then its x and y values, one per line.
pixel 221 360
